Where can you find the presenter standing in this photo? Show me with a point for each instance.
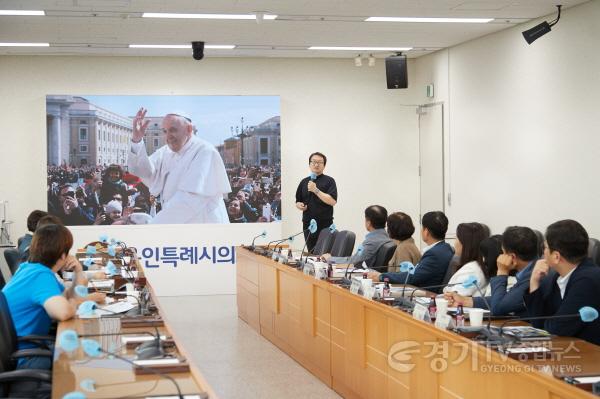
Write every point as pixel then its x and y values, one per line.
pixel 315 197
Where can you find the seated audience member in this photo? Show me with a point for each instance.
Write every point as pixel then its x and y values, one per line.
pixel 400 228
pixel 468 240
pixel 436 255
pixel 375 218
pixel 68 209
pixel 519 254
pixel 44 220
pixel 490 248
pixel 565 281
pixel 35 296
pixel 24 242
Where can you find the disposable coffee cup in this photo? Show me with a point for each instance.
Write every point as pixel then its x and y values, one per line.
pixel 476 317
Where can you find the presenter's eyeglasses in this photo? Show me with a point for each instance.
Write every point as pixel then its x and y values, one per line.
pixel 317 162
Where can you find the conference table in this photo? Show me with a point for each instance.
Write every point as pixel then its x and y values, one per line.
pixel 363 348
pixel 115 378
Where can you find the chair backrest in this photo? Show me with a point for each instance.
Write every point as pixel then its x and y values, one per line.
pixel 540 242
pixel 383 257
pixel 594 251
pixel 324 242
pixel 343 244
pixel 450 270
pixel 12 259
pixel 8 335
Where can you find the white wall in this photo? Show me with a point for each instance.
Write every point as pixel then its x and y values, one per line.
pixel 327 105
pixel 523 123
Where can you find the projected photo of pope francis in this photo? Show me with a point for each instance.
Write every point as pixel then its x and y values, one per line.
pixel 187 173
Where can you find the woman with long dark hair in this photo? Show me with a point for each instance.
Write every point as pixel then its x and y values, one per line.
pixel 469 237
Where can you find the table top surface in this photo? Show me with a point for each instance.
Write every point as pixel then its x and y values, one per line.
pixel 113 377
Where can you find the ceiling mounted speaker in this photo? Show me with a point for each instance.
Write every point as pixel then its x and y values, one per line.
pixel 396 72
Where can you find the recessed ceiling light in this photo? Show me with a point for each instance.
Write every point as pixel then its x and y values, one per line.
pixel 205 16
pixel 24 44
pixel 21 12
pixel 360 48
pixel 183 46
pixel 439 20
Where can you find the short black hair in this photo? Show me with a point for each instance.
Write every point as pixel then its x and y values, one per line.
pixel 400 226
pixel 569 238
pixel 437 224
pixel 33 218
pixel 377 215
pixel 320 155
pixel 521 241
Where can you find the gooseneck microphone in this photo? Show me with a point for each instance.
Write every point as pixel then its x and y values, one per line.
pixel 263 235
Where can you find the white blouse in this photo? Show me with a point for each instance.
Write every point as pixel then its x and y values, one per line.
pixel 469 269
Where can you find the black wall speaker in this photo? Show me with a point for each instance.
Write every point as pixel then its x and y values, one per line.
pixel 396 72
pixel 198 50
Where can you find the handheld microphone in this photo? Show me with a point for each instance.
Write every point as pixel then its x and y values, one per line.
pixel 313 177
pixel 68 340
pixel 263 235
pixel 587 314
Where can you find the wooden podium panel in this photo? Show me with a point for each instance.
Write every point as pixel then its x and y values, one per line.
pixel 351 343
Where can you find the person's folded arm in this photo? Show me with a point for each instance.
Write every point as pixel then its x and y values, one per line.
pixel 504 301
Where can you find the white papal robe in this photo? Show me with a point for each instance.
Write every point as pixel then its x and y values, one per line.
pixel 191 183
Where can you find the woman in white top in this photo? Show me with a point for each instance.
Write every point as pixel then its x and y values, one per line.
pixel 468 240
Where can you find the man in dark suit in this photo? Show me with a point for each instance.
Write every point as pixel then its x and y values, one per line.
pixel 564 282
pixel 520 250
pixel 436 256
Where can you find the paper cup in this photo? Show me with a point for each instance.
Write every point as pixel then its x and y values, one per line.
pixel 441 305
pixel 476 317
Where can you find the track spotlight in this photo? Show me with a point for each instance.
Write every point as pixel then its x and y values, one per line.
pixel 371 60
pixel 198 50
pixel 540 30
pixel 358 61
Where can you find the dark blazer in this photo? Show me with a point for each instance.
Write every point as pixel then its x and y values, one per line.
pixel 429 271
pixel 581 290
pixel 503 301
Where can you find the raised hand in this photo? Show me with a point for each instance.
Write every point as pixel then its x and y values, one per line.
pixel 139 125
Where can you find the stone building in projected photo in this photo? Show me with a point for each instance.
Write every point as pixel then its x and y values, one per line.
pixel 81 133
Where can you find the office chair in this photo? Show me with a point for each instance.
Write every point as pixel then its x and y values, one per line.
pixel 594 251
pixel 383 257
pixel 12 259
pixel 343 244
pixel 324 242
pixel 24 383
